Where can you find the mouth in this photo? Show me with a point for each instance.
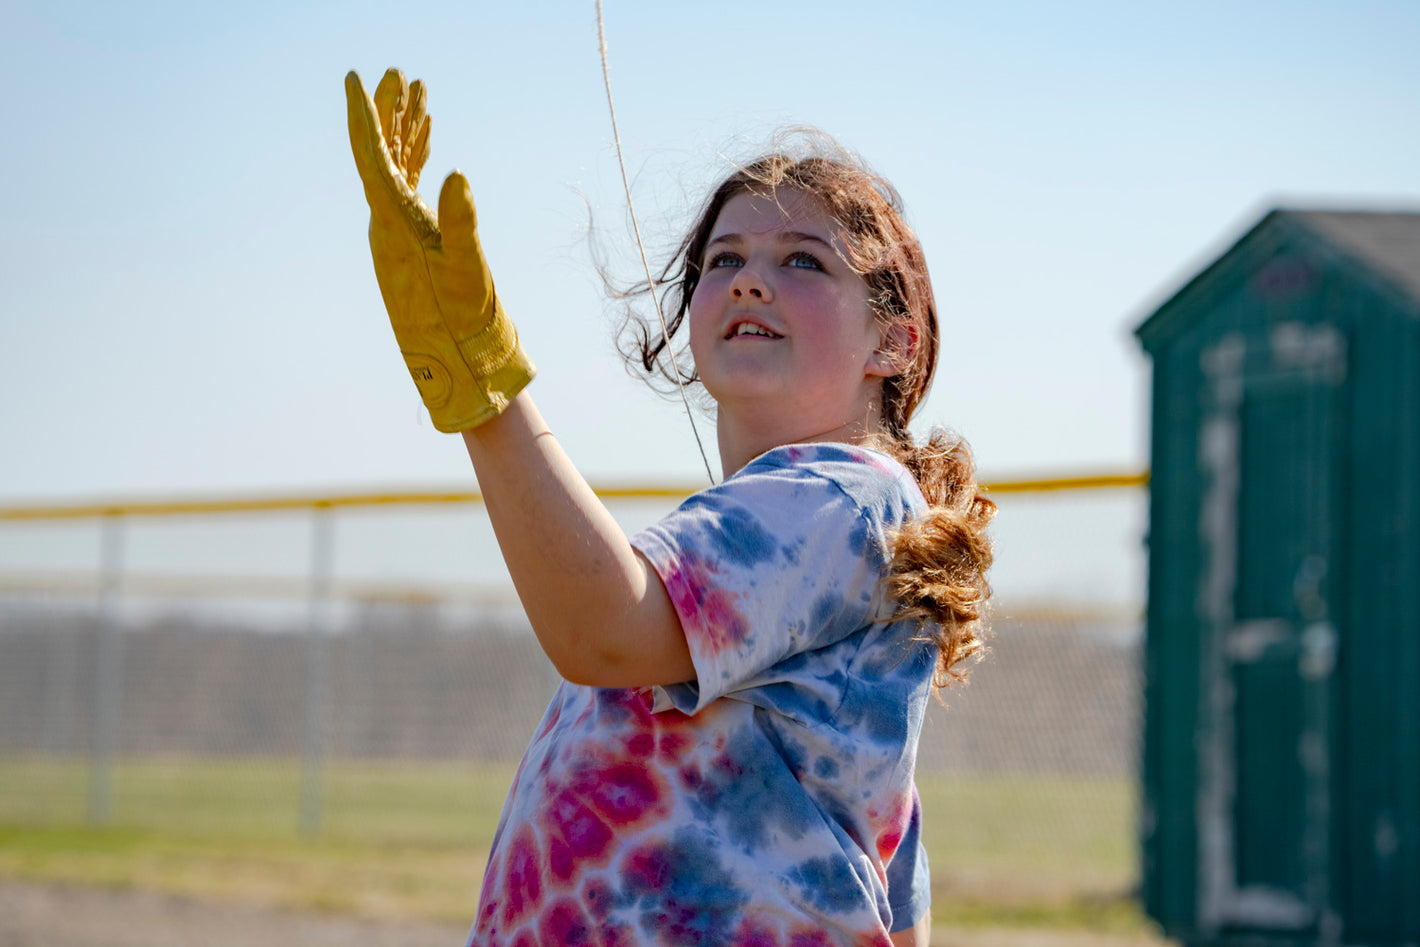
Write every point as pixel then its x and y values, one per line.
pixel 751 329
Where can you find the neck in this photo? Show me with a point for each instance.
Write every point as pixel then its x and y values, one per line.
pixel 742 439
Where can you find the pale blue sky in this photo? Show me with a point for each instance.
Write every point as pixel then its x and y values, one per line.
pixel 186 299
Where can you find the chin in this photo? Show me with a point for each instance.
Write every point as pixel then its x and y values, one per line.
pixel 748 392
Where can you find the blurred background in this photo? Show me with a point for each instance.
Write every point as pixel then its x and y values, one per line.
pixel 256 644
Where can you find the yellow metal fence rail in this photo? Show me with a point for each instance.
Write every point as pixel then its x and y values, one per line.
pixel 258 504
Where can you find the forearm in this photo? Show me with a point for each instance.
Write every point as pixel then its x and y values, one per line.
pixel 598 609
pixel 919 935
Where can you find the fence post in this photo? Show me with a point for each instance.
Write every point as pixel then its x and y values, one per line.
pixel 108 670
pixel 317 666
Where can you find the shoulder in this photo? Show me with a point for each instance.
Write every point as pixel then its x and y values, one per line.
pixel 870 480
pixel 791 507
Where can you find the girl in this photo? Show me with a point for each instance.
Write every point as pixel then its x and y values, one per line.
pixel 730 757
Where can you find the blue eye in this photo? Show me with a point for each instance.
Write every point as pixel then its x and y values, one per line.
pixel 723 259
pixel 804 260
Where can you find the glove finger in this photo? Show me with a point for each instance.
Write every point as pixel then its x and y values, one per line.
pixel 416 132
pixel 391 95
pixel 418 151
pixel 385 188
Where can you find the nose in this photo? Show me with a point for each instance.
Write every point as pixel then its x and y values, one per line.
pixel 750 282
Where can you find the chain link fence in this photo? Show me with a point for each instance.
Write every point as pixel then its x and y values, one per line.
pixel 145 648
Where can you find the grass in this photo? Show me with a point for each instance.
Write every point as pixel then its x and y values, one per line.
pixel 408 839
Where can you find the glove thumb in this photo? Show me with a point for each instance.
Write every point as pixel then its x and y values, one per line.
pixel 458 220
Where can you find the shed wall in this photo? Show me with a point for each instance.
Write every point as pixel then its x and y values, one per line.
pixel 1273 277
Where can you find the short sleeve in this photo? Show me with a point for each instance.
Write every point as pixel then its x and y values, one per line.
pixel 909 877
pixel 783 558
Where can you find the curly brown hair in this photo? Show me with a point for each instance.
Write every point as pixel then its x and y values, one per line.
pixel 939 560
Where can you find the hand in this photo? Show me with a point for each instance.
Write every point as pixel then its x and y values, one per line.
pixel 461 348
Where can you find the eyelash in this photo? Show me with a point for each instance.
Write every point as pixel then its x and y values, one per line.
pixel 721 259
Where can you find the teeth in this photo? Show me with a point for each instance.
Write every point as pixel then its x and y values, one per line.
pixel 745 328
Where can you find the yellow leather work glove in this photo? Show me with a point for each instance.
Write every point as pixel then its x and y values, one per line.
pixel 461 348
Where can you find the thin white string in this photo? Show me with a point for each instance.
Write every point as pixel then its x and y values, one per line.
pixel 636 229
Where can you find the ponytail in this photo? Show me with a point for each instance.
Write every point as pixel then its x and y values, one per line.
pixel 937 575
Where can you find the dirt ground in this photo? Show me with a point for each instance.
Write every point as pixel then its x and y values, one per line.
pixel 39 915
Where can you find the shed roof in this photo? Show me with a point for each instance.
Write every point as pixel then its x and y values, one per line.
pixel 1384 245
pixel 1387 242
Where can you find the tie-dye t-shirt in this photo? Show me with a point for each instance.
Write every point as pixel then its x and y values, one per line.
pixel 771 801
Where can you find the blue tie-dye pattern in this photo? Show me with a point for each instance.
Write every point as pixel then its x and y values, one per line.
pixel 738 536
pixel 826 883
pixel 783 803
pixel 826 608
pixel 859 544
pixel 673 905
pixel 737 792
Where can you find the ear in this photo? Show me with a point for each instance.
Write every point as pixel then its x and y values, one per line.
pixel 895 353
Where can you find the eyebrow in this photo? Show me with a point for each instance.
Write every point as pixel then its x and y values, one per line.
pixel 788 236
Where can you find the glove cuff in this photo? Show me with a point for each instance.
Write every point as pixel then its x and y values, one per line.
pixel 491 347
pixel 491 393
pixel 470 382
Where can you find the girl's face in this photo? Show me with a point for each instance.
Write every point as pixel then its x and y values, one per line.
pixel 780 325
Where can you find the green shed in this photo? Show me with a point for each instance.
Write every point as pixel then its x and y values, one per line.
pixel 1281 745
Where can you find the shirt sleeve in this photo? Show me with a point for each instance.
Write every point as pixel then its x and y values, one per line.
pixel 909 880
pixel 779 560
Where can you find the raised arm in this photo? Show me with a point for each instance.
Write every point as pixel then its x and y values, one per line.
pixel 598 608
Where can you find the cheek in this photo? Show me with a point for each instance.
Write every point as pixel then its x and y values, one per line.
pixel 699 324
pixel 702 315
pixel 851 330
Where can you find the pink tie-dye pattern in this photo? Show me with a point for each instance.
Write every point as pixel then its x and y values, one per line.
pixel 569 923
pixel 603 795
pixel 760 931
pixel 892 825
pixel 522 886
pixel 591 821
pixel 809 938
pixel 751 932
pixel 646 868
pixel 706 610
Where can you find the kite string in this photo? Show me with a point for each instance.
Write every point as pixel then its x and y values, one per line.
pixel 641 246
